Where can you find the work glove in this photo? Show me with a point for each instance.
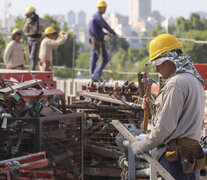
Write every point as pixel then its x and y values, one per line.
pixel 61 33
pixel 151 103
pixel 136 148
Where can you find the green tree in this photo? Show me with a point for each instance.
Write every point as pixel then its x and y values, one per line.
pixel 156 31
pixel 65 27
pixel 195 22
pixel 65 52
pixel 2 47
pixel 113 44
pixel 53 23
pixel 19 23
pixel 83 60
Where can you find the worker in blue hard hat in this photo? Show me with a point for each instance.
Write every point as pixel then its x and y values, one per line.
pixel 98 47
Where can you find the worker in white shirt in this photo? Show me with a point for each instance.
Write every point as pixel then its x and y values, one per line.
pixel 14 54
pixel 47 45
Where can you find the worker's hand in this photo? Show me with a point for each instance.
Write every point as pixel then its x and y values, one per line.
pixel 61 33
pixel 109 34
pixel 136 148
pixel 117 36
pixel 150 101
pixel 29 20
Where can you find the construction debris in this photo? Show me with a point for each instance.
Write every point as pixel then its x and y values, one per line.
pixel 26 167
pixel 35 119
pixel 78 138
pixel 103 102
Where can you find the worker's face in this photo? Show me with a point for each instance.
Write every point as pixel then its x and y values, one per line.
pixel 32 15
pixel 166 69
pixel 18 38
pixel 52 36
pixel 102 10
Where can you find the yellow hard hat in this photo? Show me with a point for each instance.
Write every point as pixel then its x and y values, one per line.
pixel 16 32
pixel 30 9
pixel 50 30
pixel 161 44
pixel 101 4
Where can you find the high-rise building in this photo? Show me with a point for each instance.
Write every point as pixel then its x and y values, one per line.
pixel 120 24
pixel 71 19
pixel 139 10
pixel 81 18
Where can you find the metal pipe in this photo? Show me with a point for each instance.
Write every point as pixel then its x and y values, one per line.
pixel 205 151
pixel 143 172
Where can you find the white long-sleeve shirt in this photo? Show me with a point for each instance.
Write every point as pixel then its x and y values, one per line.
pixel 47 45
pixel 13 55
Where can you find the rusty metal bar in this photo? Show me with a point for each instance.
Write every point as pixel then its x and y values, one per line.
pixel 100 97
pixel 25 159
pixel 23 85
pixel 103 107
pixel 102 151
pixel 107 172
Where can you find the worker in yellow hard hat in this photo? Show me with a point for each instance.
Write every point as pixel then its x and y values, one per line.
pixel 49 43
pixel 14 55
pixel 33 28
pixel 98 48
pixel 29 11
pixel 177 112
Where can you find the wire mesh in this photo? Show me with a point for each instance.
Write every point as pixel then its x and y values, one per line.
pixel 60 136
pixel 101 153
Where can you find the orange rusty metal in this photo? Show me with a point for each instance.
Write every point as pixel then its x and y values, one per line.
pixel 27 167
pixel 49 175
pixel 5 174
pixel 32 161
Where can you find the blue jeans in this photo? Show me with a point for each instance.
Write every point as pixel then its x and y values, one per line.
pixel 174 168
pixel 97 70
pixel 32 49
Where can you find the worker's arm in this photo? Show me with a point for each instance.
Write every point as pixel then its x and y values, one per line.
pixel 27 25
pixel 55 43
pixel 101 22
pixel 167 117
pixel 7 53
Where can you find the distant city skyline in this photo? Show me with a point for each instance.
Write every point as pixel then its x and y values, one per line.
pixel 174 8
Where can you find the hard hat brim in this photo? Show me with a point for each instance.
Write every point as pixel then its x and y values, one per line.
pixel 158 61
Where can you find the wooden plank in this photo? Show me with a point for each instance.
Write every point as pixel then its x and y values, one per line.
pixel 124 131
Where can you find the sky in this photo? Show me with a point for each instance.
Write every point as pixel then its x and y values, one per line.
pixel 174 8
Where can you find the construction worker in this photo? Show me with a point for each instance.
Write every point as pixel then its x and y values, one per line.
pixel 33 28
pixel 98 48
pixel 49 43
pixel 14 54
pixel 178 111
